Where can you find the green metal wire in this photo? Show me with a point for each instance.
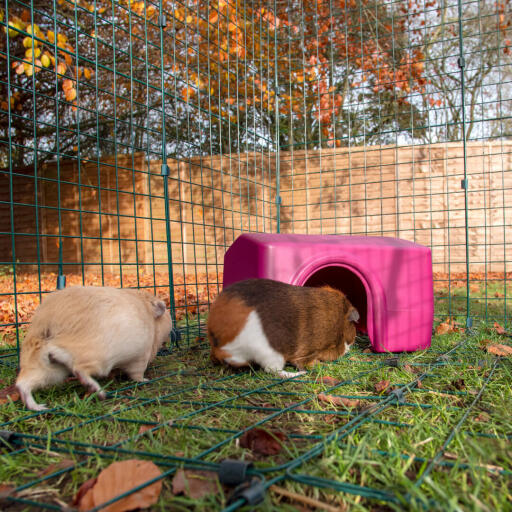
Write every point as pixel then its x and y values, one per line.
pixel 190 132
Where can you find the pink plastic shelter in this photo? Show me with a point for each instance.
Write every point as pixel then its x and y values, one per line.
pixel 388 280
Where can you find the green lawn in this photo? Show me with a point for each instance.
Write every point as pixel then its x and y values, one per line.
pixel 443 444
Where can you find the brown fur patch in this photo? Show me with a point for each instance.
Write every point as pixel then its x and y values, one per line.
pixel 228 316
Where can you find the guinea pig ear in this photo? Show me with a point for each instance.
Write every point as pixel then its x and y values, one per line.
pixel 158 307
pixel 353 315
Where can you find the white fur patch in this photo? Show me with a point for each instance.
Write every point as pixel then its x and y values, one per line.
pixel 252 346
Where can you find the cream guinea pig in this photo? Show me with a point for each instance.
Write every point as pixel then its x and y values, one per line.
pixel 87 331
pixel 271 323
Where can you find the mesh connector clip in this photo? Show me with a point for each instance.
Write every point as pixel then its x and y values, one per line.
pixel 6 438
pixel 164 170
pixel 252 492
pixel 461 62
pixel 233 472
pixel 162 21
pixel 393 362
pixel 61 282
pixel 175 337
pixel 398 395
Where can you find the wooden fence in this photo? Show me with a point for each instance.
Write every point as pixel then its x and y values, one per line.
pixel 118 207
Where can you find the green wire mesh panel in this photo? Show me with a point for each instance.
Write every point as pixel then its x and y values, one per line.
pixel 389 107
pixel 138 139
pixel 137 143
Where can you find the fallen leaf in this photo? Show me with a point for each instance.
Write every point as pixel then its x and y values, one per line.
pixel 367 351
pixel 499 329
pixel 338 400
pixel 498 294
pixel 145 428
pixel 444 328
pixel 119 478
pixel 10 392
pixel 451 456
pixel 195 484
pixel 77 500
pixel 459 384
pixel 419 384
pixel 330 381
pixel 6 490
pixel 382 386
pixel 499 350
pixel 483 417
pixel 485 342
pixel 262 441
pixel 52 468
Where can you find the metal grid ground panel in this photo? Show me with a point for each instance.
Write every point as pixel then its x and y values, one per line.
pixel 196 414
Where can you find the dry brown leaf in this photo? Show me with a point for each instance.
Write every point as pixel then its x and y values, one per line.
pixel 6 490
pixel 444 328
pixel 419 384
pixel 78 499
pixel 498 294
pixel 338 400
pixel 10 392
pixel 145 428
pixel 483 417
pixel 330 381
pixel 195 484
pixel 499 350
pixel 451 456
pixel 262 441
pixel 52 468
pixel 499 329
pixel 382 386
pixel 367 351
pixel 459 384
pixel 121 477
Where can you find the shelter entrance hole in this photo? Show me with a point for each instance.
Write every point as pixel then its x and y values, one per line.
pixel 347 282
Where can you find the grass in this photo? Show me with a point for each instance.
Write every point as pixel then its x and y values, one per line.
pixel 380 455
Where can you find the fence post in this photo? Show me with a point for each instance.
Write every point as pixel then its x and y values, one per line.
pixel 278 142
pixel 464 183
pixel 165 171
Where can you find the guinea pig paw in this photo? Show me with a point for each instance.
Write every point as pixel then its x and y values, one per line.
pixel 101 395
pixel 39 407
pixel 288 375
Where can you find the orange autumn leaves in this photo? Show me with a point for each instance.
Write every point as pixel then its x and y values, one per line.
pixel 192 293
pixel 45 49
pixel 117 479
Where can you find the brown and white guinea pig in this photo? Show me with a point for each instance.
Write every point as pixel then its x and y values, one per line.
pixel 87 331
pixel 270 323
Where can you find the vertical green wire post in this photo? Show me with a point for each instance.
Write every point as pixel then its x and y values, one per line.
pixel 277 138
pixel 162 23
pixel 464 184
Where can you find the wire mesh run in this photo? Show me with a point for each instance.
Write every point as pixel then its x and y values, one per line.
pixel 138 139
